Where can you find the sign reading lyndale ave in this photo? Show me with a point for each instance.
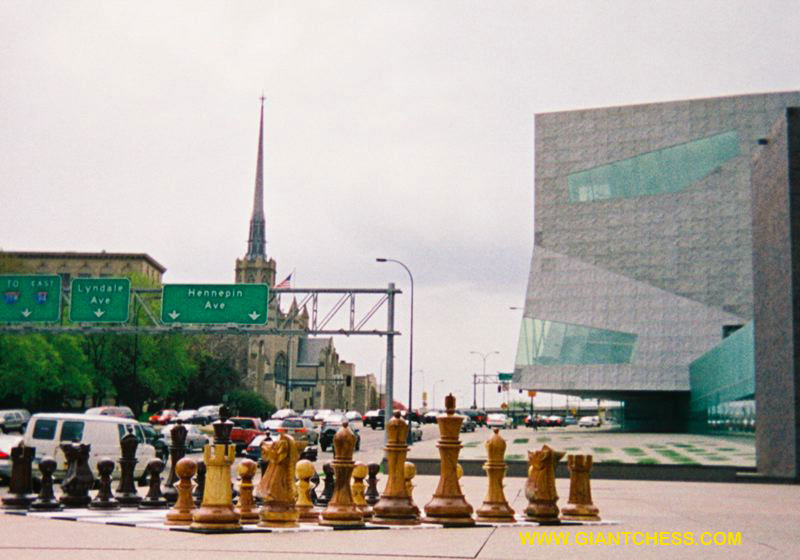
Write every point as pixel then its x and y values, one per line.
pixel 30 298
pixel 99 300
pixel 244 304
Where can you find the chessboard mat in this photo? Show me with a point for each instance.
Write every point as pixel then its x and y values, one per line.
pixel 154 519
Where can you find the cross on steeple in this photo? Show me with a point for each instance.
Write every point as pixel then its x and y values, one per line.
pixel 256 241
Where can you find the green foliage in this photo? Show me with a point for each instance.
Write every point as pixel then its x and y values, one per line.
pixel 244 402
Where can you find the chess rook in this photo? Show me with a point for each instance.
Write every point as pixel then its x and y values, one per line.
pixel 342 511
pixel 580 506
pixel 20 487
pixel 495 508
pixel 181 512
pixel 394 506
pixel 540 488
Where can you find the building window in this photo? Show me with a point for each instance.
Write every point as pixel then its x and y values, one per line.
pixel 281 369
pixel 728 330
pixel 348 381
pixel 554 343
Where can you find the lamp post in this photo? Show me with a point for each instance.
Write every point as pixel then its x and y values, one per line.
pixel 483 357
pixel 410 341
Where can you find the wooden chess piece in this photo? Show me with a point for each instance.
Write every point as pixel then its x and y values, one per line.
pixel 341 511
pixel 177 450
pixel 105 497
pixel 154 499
pixel 20 487
pixel 79 478
pixel 409 472
pixel 359 474
pixel 393 507
pixel 305 505
pixel 216 512
pixel 246 506
pixel 540 488
pixel 495 508
pixel 300 446
pixel 448 505
pixel 327 489
pixel 47 499
pixel 312 492
pixel 181 513
pixel 372 495
pixel 580 506
pixel 200 480
pixel 277 486
pixel 127 495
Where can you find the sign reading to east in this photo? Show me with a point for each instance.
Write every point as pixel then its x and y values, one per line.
pixel 99 300
pixel 30 298
pixel 244 304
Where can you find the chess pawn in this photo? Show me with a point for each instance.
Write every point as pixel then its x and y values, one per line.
pixel 200 485
pixel 312 492
pixel 394 507
pixel 409 472
pixel 277 486
pixel 181 512
pixel 300 446
pixel 105 497
pixel 359 474
pixel 20 487
pixel 372 495
pixel 327 489
pixel 79 478
pixel 177 450
pixel 47 500
pixel 154 499
pixel 216 511
pixel 127 494
pixel 448 505
pixel 580 506
pixel 495 508
pixel 305 505
pixel 342 511
pixel 246 504
pixel 540 488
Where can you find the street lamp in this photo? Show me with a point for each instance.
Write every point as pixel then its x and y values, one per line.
pixel 483 357
pixel 410 341
pixel 434 392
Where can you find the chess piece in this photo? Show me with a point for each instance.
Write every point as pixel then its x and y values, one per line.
pixel 20 487
pixel 277 487
pixel 409 472
pixel 216 512
pixel 341 511
pixel 200 485
pixel 393 507
pixel 46 500
pixel 312 492
pixel 79 478
pixel 580 506
pixel 305 505
pixel 327 490
pixel 300 446
pixel 246 504
pixel 495 508
pixel 105 497
pixel 154 499
pixel 448 505
pixel 177 450
pixel 181 512
pixel 127 494
pixel 359 474
pixel 540 488
pixel 372 495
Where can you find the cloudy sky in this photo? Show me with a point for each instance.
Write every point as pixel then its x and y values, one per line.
pixel 396 129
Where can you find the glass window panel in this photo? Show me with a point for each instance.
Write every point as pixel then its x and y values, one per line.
pixel 44 429
pixel 552 343
pixel 71 431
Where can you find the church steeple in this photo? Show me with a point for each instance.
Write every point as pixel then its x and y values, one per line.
pixel 256 241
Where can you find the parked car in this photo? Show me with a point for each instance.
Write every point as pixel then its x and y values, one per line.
pixel 163 416
pixel 191 416
pixel 156 439
pixel 430 417
pixel 272 427
pixel 12 421
pixel 368 418
pixel 353 416
pixel 468 425
pixel 375 419
pixel 46 431
pixel 309 413
pixel 478 416
pixel 283 413
pixel 6 443
pixel 210 411
pixel 244 430
pixel 253 449
pixel 501 421
pixel 300 429
pixel 330 426
pixel 195 439
pixel 589 422
pixel 554 420
pixel 322 414
pixel 570 421
pixel 416 431
pixel 118 411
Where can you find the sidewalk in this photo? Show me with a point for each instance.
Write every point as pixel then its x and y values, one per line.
pixel 766 516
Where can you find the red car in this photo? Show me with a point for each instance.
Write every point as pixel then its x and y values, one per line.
pixel 164 416
pixel 244 430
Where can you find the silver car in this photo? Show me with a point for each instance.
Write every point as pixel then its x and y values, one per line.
pixel 195 438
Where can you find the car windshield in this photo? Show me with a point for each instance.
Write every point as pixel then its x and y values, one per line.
pixel 246 423
pixel 271 424
pixel 293 423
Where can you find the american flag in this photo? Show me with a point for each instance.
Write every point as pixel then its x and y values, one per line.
pixel 287 282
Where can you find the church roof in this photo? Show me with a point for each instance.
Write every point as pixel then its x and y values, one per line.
pixel 309 350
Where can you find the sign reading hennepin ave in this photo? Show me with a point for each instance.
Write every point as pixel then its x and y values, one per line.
pixel 30 298
pixel 99 300
pixel 244 304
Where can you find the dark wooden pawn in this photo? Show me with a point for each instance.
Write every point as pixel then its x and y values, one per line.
pixel 200 483
pixel 177 450
pixel 127 495
pixel 312 492
pixel 105 497
pixel 154 499
pixel 47 498
pixel 327 490
pixel 372 495
pixel 20 487
pixel 79 478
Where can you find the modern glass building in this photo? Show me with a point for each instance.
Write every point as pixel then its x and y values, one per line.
pixel 643 254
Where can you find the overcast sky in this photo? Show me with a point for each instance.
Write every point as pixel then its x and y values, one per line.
pixel 396 129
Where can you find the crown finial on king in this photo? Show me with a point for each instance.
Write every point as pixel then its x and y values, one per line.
pixel 450 404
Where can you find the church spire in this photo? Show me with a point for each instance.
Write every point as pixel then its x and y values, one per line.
pixel 256 241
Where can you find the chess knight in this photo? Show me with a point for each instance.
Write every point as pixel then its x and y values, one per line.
pixel 540 489
pixel 277 486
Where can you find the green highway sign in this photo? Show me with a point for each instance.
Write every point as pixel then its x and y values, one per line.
pixel 244 304
pixel 99 300
pixel 505 376
pixel 30 298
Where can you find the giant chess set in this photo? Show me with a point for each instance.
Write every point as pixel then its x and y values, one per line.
pixel 199 496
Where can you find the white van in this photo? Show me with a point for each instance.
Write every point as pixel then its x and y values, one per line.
pixel 47 431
